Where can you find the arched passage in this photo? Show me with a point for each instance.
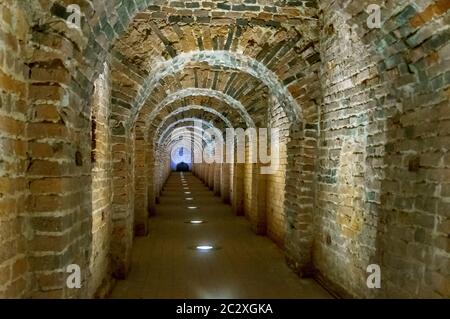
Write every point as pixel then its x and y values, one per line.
pixel 362 112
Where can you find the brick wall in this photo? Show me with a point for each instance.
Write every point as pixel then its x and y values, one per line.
pixel 14 224
pixel 102 190
pixel 141 184
pixel 364 159
pixel 382 161
pixel 123 202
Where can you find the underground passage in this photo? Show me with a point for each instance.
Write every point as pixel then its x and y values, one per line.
pixel 224 149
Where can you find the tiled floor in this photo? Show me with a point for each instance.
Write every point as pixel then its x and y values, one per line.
pixel 246 266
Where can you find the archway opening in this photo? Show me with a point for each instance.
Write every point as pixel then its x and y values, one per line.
pixel 181 159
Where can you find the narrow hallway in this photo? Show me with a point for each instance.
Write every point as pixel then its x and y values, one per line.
pixel 317 133
pixel 166 264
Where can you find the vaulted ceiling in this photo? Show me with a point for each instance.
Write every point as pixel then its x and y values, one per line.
pixel 224 63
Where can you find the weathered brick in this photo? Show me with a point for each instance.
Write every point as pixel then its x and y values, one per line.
pixel 364 162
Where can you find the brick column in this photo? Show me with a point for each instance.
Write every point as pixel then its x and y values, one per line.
pixel 211 176
pixel 238 189
pixel 299 213
pixel 225 184
pixel 59 204
pixel 140 185
pixel 123 200
pixel 204 173
pixel 151 195
pixel 207 175
pixel 258 201
pixel 15 228
pixel 217 178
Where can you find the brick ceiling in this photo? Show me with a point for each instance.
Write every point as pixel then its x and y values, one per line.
pixel 279 38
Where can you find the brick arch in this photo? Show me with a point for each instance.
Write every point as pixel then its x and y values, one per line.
pixel 215 174
pixel 404 55
pixel 189 108
pixel 112 19
pixel 185 143
pixel 179 134
pixel 170 144
pixel 81 84
pixel 195 113
pixel 189 92
pixel 281 105
pixel 150 177
pixel 223 59
pixel 108 22
pixel 166 131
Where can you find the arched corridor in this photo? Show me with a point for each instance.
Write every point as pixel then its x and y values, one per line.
pixel 314 136
pixel 166 265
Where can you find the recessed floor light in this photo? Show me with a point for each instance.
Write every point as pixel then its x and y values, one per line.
pixel 189 198
pixel 185 187
pixel 187 192
pixel 204 247
pixel 192 207
pixel 196 222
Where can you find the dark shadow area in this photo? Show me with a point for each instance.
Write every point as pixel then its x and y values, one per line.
pixel 182 167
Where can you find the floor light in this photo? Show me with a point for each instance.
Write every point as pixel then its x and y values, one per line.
pixel 196 222
pixel 204 247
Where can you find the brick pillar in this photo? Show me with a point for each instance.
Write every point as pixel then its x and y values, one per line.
pixel 217 178
pixel 204 171
pixel 211 176
pixel 238 189
pixel 205 174
pixel 299 237
pixel 140 186
pixel 99 282
pixel 225 185
pixel 122 234
pixel 258 201
pixel 151 196
pixel 58 204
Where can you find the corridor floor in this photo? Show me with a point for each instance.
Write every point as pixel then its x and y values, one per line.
pixel 166 265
